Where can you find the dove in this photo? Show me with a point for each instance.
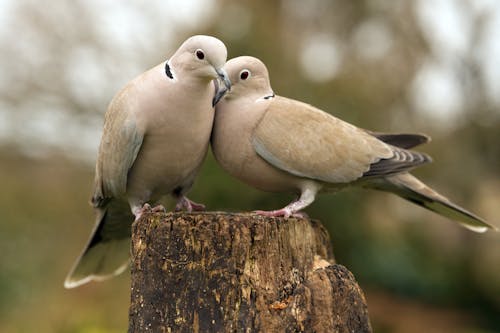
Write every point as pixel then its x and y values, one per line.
pixel 156 135
pixel 277 144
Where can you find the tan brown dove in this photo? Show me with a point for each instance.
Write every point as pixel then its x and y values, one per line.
pixel 156 135
pixel 278 144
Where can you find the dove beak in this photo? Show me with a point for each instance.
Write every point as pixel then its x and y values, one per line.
pixel 221 91
pixel 223 76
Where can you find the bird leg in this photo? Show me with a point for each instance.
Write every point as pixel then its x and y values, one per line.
pixel 184 203
pixel 293 209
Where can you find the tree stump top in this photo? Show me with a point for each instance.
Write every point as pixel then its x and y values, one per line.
pixel 239 272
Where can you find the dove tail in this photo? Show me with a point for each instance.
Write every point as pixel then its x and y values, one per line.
pixel 108 249
pixel 410 188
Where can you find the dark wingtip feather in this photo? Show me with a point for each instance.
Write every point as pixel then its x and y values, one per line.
pixel 402 140
pixel 402 160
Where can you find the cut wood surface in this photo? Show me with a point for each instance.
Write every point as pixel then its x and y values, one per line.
pixel 239 272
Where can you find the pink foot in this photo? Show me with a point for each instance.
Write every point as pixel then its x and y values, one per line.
pixel 146 208
pixel 300 215
pixel 188 205
pixel 158 209
pixel 293 209
pixel 285 212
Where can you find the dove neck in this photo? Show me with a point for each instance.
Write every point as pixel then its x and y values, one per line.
pixel 243 110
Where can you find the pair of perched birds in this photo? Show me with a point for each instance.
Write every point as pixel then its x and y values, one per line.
pixel 157 131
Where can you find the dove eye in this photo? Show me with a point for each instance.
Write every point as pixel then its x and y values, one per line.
pixel 199 54
pixel 244 74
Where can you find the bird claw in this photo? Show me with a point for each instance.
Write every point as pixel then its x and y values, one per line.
pixel 300 215
pixel 146 208
pixel 284 212
pixel 158 209
pixel 188 205
pixel 272 213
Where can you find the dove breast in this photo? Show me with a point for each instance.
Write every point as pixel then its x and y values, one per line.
pixel 233 149
pixel 174 127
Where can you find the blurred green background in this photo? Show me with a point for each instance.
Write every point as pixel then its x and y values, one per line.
pixel 393 66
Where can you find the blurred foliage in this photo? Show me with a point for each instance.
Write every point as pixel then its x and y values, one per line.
pixel 420 272
pixel 45 222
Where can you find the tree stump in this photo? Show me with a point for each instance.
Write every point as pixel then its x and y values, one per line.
pixel 225 272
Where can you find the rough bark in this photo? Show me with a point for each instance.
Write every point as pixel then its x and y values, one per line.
pixel 223 272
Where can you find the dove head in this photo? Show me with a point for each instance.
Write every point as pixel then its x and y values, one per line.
pixel 249 77
pixel 203 57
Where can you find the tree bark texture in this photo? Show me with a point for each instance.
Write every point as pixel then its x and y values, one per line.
pixel 228 272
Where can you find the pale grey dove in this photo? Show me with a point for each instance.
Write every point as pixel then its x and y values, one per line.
pixel 281 145
pixel 156 135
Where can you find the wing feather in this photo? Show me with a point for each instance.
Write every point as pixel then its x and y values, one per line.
pixel 307 142
pixel 402 160
pixel 120 144
pixel 402 140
